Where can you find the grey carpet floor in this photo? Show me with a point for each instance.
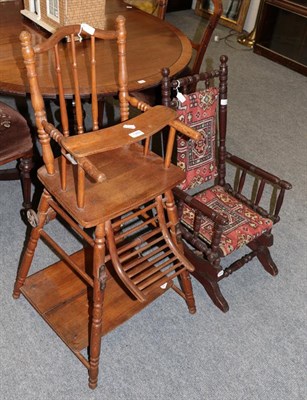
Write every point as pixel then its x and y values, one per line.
pixel 257 351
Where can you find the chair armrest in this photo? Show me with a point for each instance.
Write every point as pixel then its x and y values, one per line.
pixel 88 167
pixel 200 211
pixel 139 104
pixel 185 130
pixel 265 177
pixel 52 131
pixel 258 171
pixel 91 170
pixel 202 208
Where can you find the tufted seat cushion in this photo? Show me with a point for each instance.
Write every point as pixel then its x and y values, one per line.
pixel 244 224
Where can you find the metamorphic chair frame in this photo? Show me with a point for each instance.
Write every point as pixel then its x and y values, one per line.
pixel 217 217
pixel 109 182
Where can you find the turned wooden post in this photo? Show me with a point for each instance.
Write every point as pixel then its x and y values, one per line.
pixel 100 277
pixel 32 243
pixel 223 119
pixel 36 99
pixel 123 81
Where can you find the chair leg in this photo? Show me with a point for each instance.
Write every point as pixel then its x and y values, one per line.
pixel 263 253
pixel 213 290
pixel 26 165
pixel 31 245
pixel 264 256
pixel 99 275
pixel 210 285
pixel 175 234
pixel 188 291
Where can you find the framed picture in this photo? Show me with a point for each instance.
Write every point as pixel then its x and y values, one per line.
pixel 234 12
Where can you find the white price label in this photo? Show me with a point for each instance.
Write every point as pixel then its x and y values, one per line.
pixel 71 159
pixel 136 133
pixel 181 97
pixel 87 28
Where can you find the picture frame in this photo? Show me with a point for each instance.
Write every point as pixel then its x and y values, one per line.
pixel 234 12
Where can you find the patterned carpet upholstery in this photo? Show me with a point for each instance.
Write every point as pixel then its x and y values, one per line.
pixel 197 158
pixel 244 224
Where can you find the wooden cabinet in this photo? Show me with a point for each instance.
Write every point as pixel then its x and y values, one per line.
pixel 281 33
pixel 176 5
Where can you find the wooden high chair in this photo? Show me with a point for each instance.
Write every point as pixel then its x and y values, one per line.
pixel 108 181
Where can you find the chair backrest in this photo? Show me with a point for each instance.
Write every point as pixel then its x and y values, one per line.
pixel 77 62
pixel 72 62
pixel 16 144
pixel 15 135
pixel 204 110
pixel 161 6
pixel 155 7
pixel 201 47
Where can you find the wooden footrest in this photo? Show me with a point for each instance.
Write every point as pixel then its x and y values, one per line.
pixel 149 261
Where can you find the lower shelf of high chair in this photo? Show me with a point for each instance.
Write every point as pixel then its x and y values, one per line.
pixel 62 299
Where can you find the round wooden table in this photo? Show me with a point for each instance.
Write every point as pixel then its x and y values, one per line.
pixel 151 45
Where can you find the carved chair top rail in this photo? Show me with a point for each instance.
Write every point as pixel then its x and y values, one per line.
pixel 75 30
pixel 192 79
pixel 189 83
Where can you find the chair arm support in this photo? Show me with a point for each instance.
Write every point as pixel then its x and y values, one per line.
pixel 52 131
pixel 88 167
pixel 91 170
pixel 140 105
pixel 202 208
pixel 185 129
pixel 258 171
pixel 178 125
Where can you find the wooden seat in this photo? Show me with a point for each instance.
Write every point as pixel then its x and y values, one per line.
pixel 105 181
pixel 16 144
pixel 219 217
